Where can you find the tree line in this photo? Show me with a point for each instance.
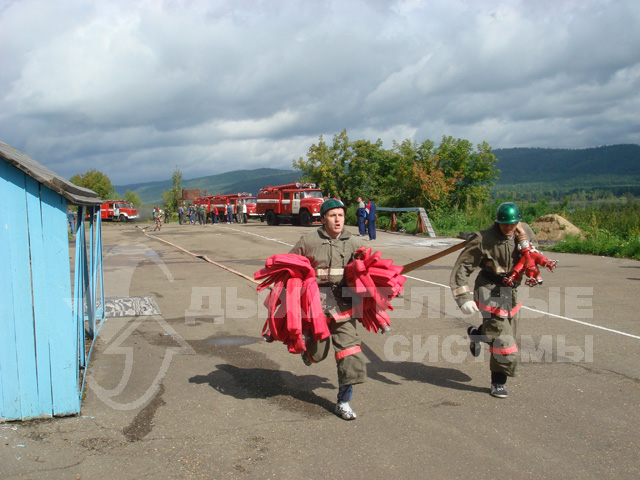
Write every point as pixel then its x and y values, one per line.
pixel 454 174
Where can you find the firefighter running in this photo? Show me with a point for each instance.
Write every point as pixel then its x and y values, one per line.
pixel 319 290
pixel 330 249
pixel 496 251
pixel 158 217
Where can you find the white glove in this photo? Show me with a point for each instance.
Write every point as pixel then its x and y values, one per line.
pixel 469 307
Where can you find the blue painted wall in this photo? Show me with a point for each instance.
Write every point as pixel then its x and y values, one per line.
pixel 38 332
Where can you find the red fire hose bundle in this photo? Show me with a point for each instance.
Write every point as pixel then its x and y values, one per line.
pixel 294 307
pixel 293 303
pixel 377 281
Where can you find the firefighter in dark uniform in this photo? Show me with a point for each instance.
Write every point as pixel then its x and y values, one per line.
pixel 495 251
pixel 330 249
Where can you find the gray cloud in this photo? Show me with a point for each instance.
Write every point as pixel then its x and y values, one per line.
pixel 136 88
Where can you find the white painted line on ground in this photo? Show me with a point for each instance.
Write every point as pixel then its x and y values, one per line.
pixel 584 323
pixel 546 313
pixel 426 281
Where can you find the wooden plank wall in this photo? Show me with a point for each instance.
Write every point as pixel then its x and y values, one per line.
pixel 38 332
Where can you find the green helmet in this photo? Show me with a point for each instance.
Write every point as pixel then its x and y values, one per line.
pixel 330 204
pixel 508 212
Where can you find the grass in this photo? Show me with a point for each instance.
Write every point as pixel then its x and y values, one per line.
pixel 601 243
pixel 610 230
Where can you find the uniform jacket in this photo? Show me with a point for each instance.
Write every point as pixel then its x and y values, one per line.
pixel 371 211
pixel 495 255
pixel 328 257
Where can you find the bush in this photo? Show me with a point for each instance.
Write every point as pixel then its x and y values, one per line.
pixel 601 242
pixel 350 215
pixel 610 230
pixel 451 223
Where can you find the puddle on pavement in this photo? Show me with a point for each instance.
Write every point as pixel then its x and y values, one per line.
pixel 230 341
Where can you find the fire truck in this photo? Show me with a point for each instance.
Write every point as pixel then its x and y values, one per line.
pixel 220 202
pixel 246 198
pixel 118 210
pixel 298 203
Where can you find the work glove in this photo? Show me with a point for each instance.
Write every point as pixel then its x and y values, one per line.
pixel 469 307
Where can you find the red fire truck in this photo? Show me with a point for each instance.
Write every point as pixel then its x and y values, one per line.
pixel 298 203
pixel 118 210
pixel 248 199
pixel 220 202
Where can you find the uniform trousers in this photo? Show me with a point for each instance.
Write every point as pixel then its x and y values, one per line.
pixel 351 368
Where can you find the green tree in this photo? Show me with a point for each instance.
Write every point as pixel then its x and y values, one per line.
pixel 173 196
pixel 96 181
pixel 411 168
pixel 410 174
pixel 318 167
pixel 132 197
pixel 345 168
pixel 474 171
pixel 369 170
pixel 341 155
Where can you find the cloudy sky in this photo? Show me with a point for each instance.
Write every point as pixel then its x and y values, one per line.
pixel 135 87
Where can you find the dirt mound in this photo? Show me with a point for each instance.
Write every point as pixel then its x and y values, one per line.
pixel 554 228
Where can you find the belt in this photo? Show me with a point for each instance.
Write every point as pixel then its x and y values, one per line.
pixel 497 279
pixel 494 277
pixel 325 272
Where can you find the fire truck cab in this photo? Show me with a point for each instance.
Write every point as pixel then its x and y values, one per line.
pixel 297 203
pixel 118 210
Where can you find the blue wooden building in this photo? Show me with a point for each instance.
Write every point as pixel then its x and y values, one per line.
pixel 45 313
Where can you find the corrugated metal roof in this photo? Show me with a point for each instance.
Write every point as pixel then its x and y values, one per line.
pixel 75 194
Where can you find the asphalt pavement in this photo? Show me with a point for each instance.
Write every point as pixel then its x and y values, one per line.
pixel 191 391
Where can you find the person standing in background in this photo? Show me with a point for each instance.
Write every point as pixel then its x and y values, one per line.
pixel 244 211
pixel 229 208
pixel 71 218
pixel 371 219
pixel 180 214
pixel 361 214
pixel 214 214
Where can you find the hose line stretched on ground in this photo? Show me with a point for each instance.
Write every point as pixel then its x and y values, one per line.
pixel 202 257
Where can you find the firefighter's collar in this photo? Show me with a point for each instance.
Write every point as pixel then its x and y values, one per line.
pixel 323 233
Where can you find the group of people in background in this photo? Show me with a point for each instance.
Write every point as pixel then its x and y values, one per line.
pixel 230 213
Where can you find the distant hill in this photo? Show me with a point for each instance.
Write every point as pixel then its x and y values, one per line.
pixel 615 167
pixel 529 165
pixel 229 182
